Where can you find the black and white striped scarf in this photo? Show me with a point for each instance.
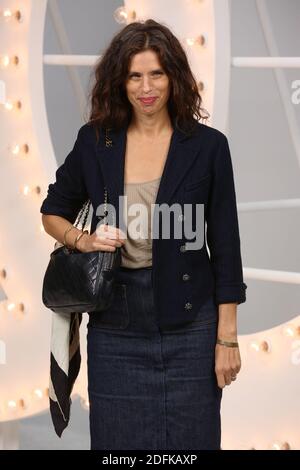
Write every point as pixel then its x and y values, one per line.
pixel 65 360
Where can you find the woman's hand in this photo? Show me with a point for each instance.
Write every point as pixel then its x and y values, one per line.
pixel 227 359
pixel 105 238
pixel 227 362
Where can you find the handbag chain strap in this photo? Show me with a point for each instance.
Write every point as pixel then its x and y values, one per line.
pixel 86 206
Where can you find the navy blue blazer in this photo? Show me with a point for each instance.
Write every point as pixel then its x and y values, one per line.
pixel 198 169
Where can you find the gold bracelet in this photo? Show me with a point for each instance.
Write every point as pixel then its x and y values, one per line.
pixel 229 344
pixel 79 236
pixel 66 231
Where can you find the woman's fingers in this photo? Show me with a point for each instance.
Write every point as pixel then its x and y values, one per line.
pixel 227 365
pixel 220 380
pixel 106 248
pixel 227 377
pixel 111 232
pixel 223 379
pixel 102 241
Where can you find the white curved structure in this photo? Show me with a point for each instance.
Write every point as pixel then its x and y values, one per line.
pixel 254 411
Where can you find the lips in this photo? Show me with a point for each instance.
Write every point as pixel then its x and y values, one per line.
pixel 148 100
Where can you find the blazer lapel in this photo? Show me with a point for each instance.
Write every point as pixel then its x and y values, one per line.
pixel 111 159
pixel 181 155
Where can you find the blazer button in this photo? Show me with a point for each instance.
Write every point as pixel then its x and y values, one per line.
pixel 182 248
pixel 188 306
pixel 186 277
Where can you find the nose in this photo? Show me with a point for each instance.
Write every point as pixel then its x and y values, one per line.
pixel 146 84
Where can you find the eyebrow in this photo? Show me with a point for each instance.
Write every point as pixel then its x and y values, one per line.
pixel 151 71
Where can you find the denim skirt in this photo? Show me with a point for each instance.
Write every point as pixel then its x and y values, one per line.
pixel 151 389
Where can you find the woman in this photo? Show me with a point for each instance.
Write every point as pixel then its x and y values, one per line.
pixel 159 357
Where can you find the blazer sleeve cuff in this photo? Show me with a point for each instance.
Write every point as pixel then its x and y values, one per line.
pixel 231 293
pixel 48 208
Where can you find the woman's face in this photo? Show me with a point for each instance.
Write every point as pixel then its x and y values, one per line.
pixel 147 79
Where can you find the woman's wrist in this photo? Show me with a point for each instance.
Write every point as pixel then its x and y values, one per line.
pixel 81 242
pixel 78 238
pixel 68 229
pixel 227 322
pixel 71 235
pixel 226 335
pixel 228 344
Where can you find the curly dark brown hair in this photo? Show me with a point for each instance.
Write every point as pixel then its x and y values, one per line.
pixel 110 107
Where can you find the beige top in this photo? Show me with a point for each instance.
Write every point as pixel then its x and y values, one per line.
pixel 137 250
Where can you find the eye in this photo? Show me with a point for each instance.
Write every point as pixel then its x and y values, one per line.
pixel 132 75
pixel 136 75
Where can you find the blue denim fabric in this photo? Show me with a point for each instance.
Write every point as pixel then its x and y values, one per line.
pixel 151 389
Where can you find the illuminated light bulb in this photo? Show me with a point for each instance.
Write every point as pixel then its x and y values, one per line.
pixel 8 15
pixel 254 346
pixel 281 446
pixel 3 273
pixel 27 189
pixel 11 306
pixel 11 404
pixel 189 41
pixel 4 61
pixel 291 330
pixel 38 393
pixel 9 105
pixel 199 41
pixel 15 149
pixel 276 446
pixel 121 15
pixel 262 346
pixel 85 403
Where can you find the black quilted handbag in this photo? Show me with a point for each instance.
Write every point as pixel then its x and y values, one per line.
pixel 77 282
